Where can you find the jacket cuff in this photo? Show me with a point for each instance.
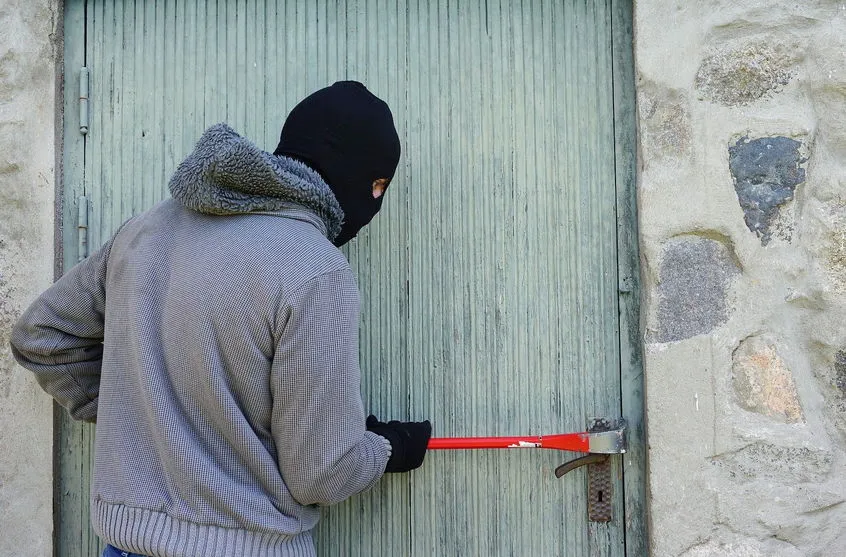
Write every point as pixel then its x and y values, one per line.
pixel 381 453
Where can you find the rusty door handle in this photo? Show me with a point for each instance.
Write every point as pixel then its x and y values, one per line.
pixel 579 462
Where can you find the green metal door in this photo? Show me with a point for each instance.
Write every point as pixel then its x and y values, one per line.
pixel 499 281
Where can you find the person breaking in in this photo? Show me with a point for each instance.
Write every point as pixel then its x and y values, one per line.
pixel 214 340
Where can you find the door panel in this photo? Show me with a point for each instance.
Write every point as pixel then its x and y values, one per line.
pixel 489 280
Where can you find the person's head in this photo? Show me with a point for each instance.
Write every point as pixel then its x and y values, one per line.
pixel 347 135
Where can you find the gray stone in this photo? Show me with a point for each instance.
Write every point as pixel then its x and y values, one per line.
pixel 766 172
pixel 828 363
pixel 840 371
pixel 773 463
pixel 744 75
pixel 748 547
pixel 693 282
pixel 8 315
pixel 665 117
pixel 830 245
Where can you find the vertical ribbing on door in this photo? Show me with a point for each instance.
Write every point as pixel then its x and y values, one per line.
pixel 512 266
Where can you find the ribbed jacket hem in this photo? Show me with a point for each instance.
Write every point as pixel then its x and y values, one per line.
pixel 156 533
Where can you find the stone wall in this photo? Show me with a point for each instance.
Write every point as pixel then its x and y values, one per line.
pixel 742 200
pixel 29 45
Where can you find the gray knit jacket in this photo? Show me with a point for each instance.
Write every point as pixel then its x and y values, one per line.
pixel 214 340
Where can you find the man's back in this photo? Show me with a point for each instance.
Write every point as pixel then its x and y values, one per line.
pixel 195 307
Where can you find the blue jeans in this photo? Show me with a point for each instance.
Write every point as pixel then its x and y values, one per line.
pixel 111 551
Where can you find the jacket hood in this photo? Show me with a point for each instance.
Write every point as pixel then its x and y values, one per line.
pixel 226 174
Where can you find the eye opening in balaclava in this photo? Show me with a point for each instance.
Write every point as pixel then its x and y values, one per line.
pixel 346 134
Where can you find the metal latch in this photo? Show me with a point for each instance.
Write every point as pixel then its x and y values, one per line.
pixel 82 227
pixel 600 484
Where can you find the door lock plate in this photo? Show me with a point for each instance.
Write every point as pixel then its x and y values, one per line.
pixel 600 487
pixel 600 491
pixel 600 494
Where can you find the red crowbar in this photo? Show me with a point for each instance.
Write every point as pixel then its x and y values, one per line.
pixel 612 441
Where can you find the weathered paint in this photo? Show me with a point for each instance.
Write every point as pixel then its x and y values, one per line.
pixel 74 441
pixel 525 445
pixel 490 282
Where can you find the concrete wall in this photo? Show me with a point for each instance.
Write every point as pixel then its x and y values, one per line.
pixel 742 199
pixel 29 45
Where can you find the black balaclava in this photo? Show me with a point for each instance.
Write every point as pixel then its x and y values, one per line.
pixel 347 135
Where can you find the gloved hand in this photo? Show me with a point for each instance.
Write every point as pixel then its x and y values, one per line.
pixel 408 442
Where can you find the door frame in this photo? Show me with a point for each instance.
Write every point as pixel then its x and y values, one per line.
pixel 628 277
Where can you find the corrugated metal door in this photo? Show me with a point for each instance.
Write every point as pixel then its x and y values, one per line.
pixel 489 281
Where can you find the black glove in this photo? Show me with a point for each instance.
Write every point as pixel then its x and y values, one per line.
pixel 408 440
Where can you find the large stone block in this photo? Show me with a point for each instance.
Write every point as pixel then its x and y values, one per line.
pixel 694 277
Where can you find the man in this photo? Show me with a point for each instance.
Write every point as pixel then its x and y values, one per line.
pixel 214 340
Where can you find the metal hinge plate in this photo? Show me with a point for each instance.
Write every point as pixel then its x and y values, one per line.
pixel 83 101
pixel 82 227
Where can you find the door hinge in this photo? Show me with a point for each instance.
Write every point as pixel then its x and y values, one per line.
pixel 82 227
pixel 83 101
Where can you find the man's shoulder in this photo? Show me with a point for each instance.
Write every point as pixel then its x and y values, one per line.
pixel 263 244
pixel 292 250
pixel 296 242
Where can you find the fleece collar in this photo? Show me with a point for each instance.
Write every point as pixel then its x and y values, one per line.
pixel 226 175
